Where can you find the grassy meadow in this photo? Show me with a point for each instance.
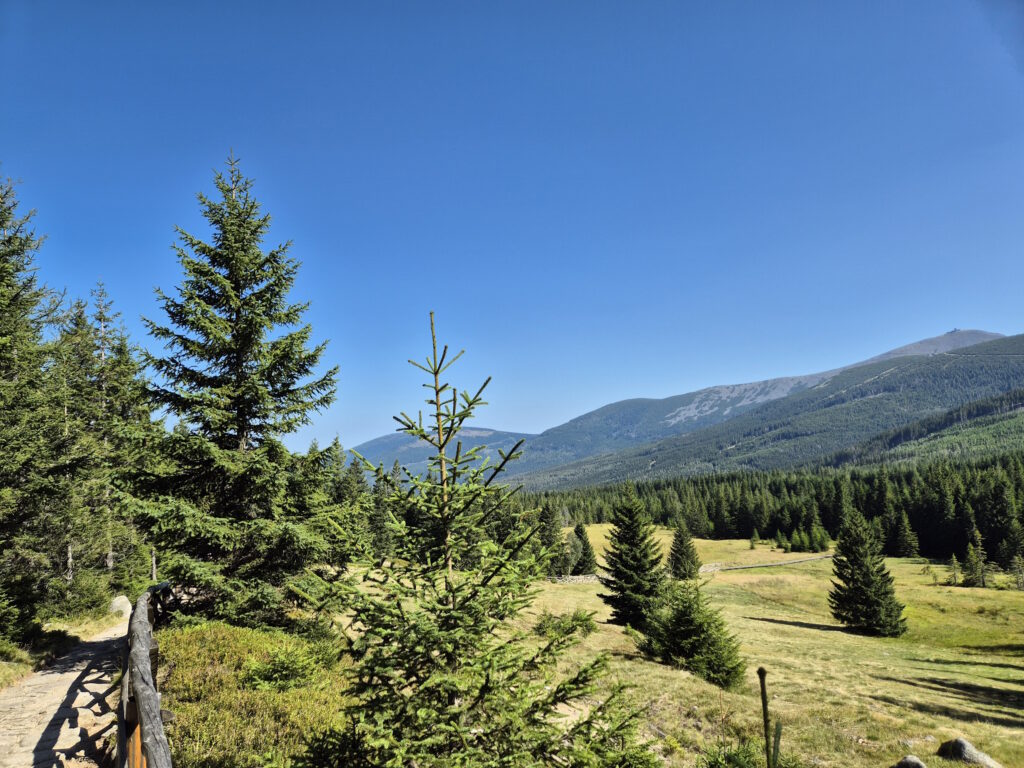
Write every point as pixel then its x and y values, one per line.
pixel 844 700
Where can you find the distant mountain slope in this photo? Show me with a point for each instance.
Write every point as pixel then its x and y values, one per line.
pixel 641 421
pixel 806 426
pixel 632 423
pixel 947 342
pixel 413 454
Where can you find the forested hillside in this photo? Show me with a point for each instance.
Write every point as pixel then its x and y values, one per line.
pixel 812 425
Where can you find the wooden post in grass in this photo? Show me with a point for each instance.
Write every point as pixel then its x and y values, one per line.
pixel 771 755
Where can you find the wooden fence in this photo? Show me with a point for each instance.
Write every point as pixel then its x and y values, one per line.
pixel 141 742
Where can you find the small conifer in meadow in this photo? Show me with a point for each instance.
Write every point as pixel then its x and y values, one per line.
pixel 634 575
pixel 685 631
pixel 974 563
pixel 862 595
pixel 587 562
pixel 954 571
pixel 683 560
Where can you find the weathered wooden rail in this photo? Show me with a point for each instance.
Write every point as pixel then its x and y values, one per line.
pixel 141 742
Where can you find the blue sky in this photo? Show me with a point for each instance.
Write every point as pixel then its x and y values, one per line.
pixel 599 200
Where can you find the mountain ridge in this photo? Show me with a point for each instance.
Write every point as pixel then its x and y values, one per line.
pixel 635 422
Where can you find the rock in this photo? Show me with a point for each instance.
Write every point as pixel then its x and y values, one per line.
pixel 910 761
pixel 122 605
pixel 965 752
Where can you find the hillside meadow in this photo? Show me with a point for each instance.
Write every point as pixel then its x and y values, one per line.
pixel 844 700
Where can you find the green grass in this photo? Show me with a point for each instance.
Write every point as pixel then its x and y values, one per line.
pixel 844 699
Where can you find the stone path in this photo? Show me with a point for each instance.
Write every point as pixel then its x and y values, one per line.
pixel 60 716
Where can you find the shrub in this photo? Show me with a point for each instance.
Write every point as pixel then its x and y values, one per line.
pixel 742 755
pixel 287 667
pixel 554 625
pixel 219 721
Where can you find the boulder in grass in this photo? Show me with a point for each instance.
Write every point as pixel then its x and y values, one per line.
pixel 910 761
pixel 965 752
pixel 121 605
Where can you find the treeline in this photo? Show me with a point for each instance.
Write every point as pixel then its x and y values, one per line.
pixel 932 509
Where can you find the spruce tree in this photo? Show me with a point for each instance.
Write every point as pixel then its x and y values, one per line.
pixel 685 631
pixel 238 373
pixel 954 571
pixel 974 563
pixel 31 503
pixel 381 517
pixel 634 574
pixel 683 560
pixel 587 562
pixel 904 540
pixel 552 541
pixel 1017 569
pixel 440 675
pixel 862 596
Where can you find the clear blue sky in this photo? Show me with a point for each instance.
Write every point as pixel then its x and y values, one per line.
pixel 600 200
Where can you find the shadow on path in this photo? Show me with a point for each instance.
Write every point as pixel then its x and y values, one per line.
pixel 74 730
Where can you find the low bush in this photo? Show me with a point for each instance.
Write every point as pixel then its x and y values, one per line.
pixel 236 695
pixel 552 625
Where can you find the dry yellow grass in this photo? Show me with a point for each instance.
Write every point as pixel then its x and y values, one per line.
pixel 844 699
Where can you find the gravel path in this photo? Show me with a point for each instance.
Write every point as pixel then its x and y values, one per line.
pixel 60 716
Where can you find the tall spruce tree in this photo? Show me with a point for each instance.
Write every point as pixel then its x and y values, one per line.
pixel 586 564
pixel 862 596
pixel 439 674
pixel 30 504
pixel 238 373
pixel 683 560
pixel 634 575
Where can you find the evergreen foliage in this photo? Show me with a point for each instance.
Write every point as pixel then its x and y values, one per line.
pixel 238 374
pixel 439 676
pixel 29 505
pixel 862 597
pixel 904 540
pixel 944 501
pixel 974 563
pixel 553 543
pixel 685 631
pixel 633 571
pixel 683 560
pixel 586 563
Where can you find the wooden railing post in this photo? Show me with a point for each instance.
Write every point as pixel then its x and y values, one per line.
pixel 142 742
